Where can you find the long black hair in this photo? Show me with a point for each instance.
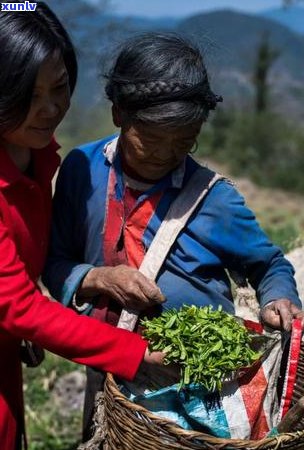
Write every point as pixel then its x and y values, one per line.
pixel 26 39
pixel 161 78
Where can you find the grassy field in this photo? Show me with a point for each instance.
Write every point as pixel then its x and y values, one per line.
pixel 47 427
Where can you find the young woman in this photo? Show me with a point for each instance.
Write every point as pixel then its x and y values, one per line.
pixel 38 74
pixel 113 194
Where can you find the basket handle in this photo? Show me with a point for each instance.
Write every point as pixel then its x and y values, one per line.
pixel 176 218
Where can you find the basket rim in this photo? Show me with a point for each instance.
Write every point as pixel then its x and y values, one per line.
pixel 240 443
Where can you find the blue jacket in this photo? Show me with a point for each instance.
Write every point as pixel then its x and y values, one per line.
pixel 222 234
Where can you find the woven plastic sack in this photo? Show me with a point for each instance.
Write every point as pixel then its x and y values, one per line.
pixel 247 407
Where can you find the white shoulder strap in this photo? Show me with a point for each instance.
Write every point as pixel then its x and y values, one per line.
pixel 175 220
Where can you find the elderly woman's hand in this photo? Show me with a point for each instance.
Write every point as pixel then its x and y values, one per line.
pixel 280 313
pixel 126 285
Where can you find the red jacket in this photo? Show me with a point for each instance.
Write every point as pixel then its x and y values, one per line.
pixel 25 207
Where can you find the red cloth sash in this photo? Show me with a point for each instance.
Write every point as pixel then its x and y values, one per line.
pixel 125 223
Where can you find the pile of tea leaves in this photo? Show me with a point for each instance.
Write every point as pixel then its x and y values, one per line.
pixel 209 345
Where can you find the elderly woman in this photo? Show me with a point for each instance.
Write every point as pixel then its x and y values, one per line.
pixel 113 194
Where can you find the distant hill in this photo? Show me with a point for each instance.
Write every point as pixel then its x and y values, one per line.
pixel 292 17
pixel 144 23
pixel 230 40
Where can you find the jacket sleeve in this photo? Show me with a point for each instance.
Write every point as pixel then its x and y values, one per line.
pixel 229 229
pixel 26 314
pixel 65 268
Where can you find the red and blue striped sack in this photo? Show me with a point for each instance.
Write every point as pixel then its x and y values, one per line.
pixel 249 405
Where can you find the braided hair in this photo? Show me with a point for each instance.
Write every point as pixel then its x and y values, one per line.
pixel 161 78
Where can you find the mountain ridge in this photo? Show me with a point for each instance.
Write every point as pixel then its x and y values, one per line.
pixel 229 38
pixel 292 17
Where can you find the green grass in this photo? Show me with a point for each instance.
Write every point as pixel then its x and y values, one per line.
pixel 47 428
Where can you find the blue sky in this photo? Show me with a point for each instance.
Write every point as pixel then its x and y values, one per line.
pixel 177 8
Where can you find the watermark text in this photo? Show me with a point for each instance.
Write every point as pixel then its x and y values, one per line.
pixel 25 6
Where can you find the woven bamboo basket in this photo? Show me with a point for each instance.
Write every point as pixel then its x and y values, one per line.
pixel 128 426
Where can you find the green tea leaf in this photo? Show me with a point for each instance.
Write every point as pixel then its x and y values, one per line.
pixel 207 344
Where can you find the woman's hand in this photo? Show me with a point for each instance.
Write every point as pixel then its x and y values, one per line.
pixel 169 371
pixel 154 357
pixel 280 313
pixel 126 285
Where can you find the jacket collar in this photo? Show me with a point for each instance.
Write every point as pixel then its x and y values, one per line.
pixel 45 161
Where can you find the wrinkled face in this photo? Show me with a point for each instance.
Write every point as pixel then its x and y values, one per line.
pixel 50 102
pixel 152 151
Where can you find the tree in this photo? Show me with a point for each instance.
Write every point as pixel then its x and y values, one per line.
pixel 265 58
